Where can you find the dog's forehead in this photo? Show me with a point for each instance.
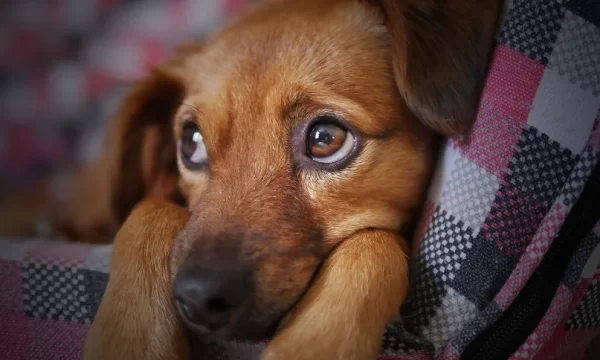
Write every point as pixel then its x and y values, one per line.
pixel 337 51
pixel 293 42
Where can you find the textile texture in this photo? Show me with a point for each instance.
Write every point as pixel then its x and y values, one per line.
pixel 65 64
pixel 497 202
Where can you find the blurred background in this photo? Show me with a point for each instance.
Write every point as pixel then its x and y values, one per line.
pixel 64 65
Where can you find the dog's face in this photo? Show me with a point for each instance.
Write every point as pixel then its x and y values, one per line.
pixel 291 138
pixel 286 133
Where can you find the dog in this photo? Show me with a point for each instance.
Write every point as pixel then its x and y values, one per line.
pixel 72 205
pixel 298 143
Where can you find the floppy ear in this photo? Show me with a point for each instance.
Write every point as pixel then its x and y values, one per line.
pixel 141 144
pixel 440 52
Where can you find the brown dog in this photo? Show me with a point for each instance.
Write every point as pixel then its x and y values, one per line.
pixel 301 137
pixel 74 205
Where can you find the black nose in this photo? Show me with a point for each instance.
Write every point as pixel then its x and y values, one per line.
pixel 210 298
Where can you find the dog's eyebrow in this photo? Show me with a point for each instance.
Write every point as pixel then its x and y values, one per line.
pixel 190 105
pixel 301 104
pixel 295 103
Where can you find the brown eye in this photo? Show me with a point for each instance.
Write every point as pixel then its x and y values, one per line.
pixel 191 147
pixel 329 143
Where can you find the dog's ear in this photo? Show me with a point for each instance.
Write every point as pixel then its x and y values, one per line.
pixel 440 52
pixel 141 144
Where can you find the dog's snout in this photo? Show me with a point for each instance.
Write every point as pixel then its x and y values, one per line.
pixel 210 298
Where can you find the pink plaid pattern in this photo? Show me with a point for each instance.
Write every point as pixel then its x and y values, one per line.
pixel 562 342
pixel 15 335
pixel 59 253
pixel 595 140
pixel 54 339
pixel 48 298
pixel 63 62
pixel 513 181
pixel 543 332
pixel 512 83
pixel 503 111
pixel 532 256
pixel 498 202
pixel 11 298
pixel 570 346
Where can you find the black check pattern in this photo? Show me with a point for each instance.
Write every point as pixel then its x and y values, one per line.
pixel 441 254
pixel 587 314
pixel 531 27
pixel 573 187
pixel 587 9
pixel 535 175
pixel 63 293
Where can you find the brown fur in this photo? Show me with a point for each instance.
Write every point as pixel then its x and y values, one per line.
pixel 136 319
pixel 20 211
pixel 440 53
pixel 311 331
pixel 323 246
pixel 71 205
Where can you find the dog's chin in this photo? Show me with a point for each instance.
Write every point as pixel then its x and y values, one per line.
pixel 243 330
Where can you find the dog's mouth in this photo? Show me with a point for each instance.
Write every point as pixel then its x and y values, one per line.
pixel 235 300
pixel 246 322
pixel 246 326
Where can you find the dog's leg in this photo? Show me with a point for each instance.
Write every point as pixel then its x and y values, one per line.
pixel 137 319
pixel 343 315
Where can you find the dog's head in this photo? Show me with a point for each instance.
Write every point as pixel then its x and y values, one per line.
pixel 296 126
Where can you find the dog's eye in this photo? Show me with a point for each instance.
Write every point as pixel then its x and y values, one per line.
pixel 191 147
pixel 329 143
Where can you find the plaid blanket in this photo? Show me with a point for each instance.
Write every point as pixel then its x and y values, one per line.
pixel 49 294
pixel 506 260
pixel 64 64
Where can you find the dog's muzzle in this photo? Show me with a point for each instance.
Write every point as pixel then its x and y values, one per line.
pixel 209 300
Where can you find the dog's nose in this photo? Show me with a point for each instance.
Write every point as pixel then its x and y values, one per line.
pixel 210 298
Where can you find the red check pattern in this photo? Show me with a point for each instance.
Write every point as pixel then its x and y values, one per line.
pixel 493 210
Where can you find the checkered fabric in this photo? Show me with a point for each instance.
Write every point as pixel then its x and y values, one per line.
pixel 501 194
pixel 64 64
pixel 50 292
pixel 496 204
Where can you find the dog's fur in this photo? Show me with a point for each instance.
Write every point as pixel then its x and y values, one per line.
pixel 323 246
pixel 73 204
pixel 136 319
